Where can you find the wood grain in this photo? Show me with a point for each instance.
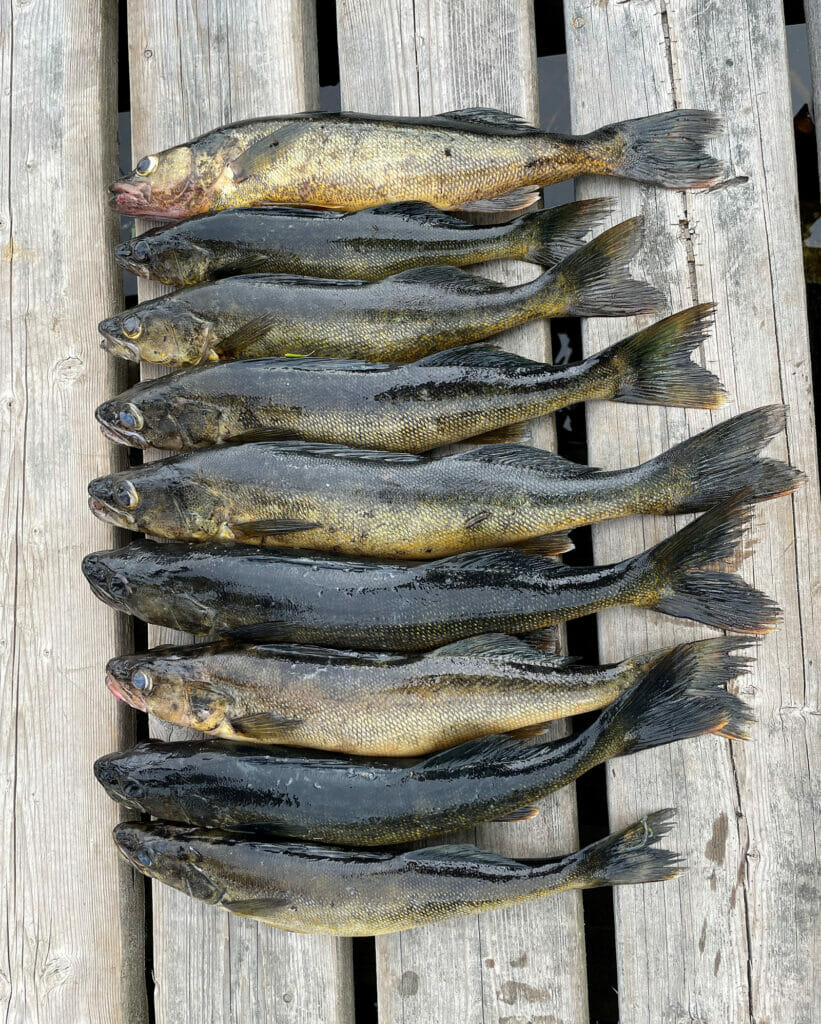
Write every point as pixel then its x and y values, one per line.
pixel 526 963
pixel 812 12
pixel 733 939
pixel 70 906
pixel 193 67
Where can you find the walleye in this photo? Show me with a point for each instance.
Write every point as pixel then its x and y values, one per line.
pixel 254 594
pixel 368 802
pixel 441 399
pixel 368 244
pixel 370 703
pixel 477 159
pixel 400 319
pixel 304 888
pixel 385 505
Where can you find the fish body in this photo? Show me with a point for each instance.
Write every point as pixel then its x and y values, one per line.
pixel 251 593
pixel 473 159
pixel 366 703
pixel 438 400
pixel 386 505
pixel 367 244
pixel 307 888
pixel 374 802
pixel 398 319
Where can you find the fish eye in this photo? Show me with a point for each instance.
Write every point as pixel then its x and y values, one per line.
pixel 145 858
pixel 131 417
pixel 141 680
pixel 119 586
pixel 146 165
pixel 132 789
pixel 141 251
pixel 126 494
pixel 131 327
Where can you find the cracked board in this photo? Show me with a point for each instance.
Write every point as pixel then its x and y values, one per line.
pixel 527 962
pixel 735 938
pixel 193 67
pixel 71 906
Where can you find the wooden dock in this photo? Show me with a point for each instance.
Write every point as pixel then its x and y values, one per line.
pixel 734 940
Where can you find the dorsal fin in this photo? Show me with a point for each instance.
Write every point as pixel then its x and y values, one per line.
pixel 310 652
pixel 443 858
pixel 423 213
pixel 479 751
pixel 339 451
pixel 450 279
pixel 482 355
pixel 493 645
pixel 490 120
pixel 526 457
pixel 498 560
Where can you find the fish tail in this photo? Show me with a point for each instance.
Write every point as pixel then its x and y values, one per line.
pixel 628 856
pixel 666 576
pixel 549 236
pixel 595 280
pixel 681 696
pixel 716 464
pixel 663 149
pixel 654 366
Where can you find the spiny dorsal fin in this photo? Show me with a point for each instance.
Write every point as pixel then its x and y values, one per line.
pixel 311 652
pixel 298 362
pixel 423 213
pixel 491 120
pixel 527 458
pixel 443 858
pixel 482 356
pixel 491 645
pixel 498 560
pixel 317 449
pixel 449 279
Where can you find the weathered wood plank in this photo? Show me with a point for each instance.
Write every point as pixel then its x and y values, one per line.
pixel 733 939
pixel 812 12
pixel 60 873
pixel 525 963
pixel 195 66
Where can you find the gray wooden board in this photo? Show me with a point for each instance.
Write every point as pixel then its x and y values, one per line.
pixel 61 876
pixel 194 66
pixel 736 938
pixel 812 12
pixel 526 963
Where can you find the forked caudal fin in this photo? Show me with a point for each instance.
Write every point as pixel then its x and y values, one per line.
pixel 628 856
pixel 714 465
pixel 595 280
pixel 549 236
pixel 662 149
pixel 668 576
pixel 655 365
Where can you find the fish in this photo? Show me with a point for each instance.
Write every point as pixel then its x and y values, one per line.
pixel 253 594
pixel 350 501
pixel 319 889
pixel 438 400
pixel 372 703
pixel 477 159
pixel 399 319
pixel 367 244
pixel 345 801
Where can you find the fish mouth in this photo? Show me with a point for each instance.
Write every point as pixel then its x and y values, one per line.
pixel 119 346
pixel 122 254
pixel 131 198
pixel 122 693
pixel 119 434
pixel 109 514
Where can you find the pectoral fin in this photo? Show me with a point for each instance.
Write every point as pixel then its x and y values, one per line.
pixel 258 156
pixel 523 813
pixel 265 727
pixel 247 335
pixel 272 526
pixel 517 200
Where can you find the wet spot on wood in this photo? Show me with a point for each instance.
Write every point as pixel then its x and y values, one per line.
pixel 519 961
pixel 490 962
pixel 717 963
pixel 702 939
pixel 717 843
pixel 409 983
pixel 514 991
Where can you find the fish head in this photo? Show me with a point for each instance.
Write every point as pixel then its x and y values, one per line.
pixel 154 413
pixel 168 683
pixel 170 854
pixel 162 499
pixel 123 422
pixel 163 331
pixel 166 255
pixel 108 580
pixel 167 184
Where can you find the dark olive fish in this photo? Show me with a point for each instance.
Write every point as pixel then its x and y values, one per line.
pixel 255 594
pixel 367 703
pixel 369 802
pixel 474 159
pixel 384 505
pixel 399 319
pixel 368 244
pixel 323 889
pixel 442 398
